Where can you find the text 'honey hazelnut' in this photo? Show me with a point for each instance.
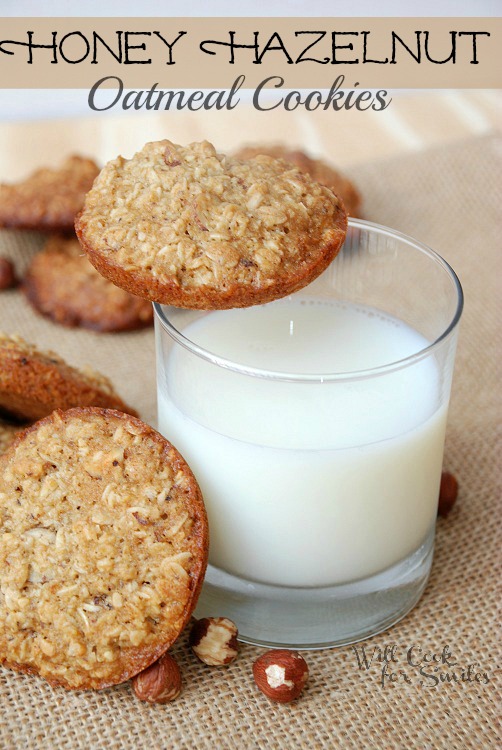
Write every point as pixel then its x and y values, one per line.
pixel 281 675
pixel 214 640
pixel 160 682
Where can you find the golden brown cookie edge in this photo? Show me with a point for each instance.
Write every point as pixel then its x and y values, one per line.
pixel 55 389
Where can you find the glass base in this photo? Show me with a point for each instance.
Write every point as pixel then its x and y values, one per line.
pixel 316 618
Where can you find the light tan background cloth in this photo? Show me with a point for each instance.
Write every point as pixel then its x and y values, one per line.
pixel 448 197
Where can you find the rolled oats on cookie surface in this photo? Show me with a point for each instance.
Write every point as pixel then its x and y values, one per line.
pixel 318 169
pixel 190 227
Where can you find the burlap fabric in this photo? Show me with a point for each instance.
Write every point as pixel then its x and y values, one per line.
pixel 450 199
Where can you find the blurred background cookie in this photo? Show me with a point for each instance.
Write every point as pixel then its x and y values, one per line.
pixel 33 383
pixel 49 198
pixel 61 284
pixel 316 168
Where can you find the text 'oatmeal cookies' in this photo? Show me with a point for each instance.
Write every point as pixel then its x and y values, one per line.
pixel 103 548
pixel 189 227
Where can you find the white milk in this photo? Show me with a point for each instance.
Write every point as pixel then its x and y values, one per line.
pixel 308 483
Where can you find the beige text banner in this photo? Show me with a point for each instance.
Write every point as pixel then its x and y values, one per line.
pixel 282 53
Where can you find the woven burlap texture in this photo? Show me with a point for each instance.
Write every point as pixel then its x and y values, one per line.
pixel 449 199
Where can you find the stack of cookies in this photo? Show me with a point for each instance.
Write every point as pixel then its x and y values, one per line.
pixel 103 531
pixel 60 283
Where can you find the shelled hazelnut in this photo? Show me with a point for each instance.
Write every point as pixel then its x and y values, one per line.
pixel 281 675
pixel 160 682
pixel 214 640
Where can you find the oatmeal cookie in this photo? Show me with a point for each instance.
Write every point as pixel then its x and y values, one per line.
pixel 61 284
pixel 48 199
pixel 189 227
pixel 316 168
pixel 103 548
pixel 33 383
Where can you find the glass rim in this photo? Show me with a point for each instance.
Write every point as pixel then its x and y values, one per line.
pixel 327 377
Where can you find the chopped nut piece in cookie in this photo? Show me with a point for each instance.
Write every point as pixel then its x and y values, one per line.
pixel 8 278
pixel 448 492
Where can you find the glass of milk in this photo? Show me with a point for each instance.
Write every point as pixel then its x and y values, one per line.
pixel 315 427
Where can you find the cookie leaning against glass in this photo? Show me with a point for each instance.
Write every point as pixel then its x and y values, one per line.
pixel 189 227
pixel 103 548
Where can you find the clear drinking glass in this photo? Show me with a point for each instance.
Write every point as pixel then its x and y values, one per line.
pixel 321 482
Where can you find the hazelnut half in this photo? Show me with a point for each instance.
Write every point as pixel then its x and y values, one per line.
pixel 281 674
pixel 160 682
pixel 214 640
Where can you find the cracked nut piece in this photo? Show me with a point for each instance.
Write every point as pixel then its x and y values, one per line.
pixel 214 640
pixel 448 491
pixel 281 674
pixel 160 682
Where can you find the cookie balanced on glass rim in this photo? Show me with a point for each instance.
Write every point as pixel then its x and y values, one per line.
pixel 190 227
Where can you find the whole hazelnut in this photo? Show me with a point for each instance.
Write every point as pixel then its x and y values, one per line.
pixel 214 640
pixel 8 278
pixel 160 682
pixel 281 674
pixel 448 492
